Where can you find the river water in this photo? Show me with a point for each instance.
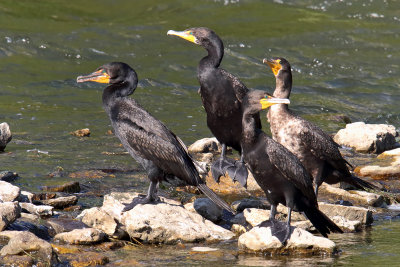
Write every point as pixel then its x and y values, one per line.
pixel 345 57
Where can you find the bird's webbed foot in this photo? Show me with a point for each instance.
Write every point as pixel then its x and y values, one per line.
pixel 141 199
pixel 219 167
pixel 278 229
pixel 239 173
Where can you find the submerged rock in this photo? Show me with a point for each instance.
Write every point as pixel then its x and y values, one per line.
pixel 9 212
pixel 8 192
pixel 8 176
pixel 86 236
pixel 26 242
pixel 87 259
pixel 260 239
pixel 367 138
pixel 71 187
pixel 81 133
pixel 5 135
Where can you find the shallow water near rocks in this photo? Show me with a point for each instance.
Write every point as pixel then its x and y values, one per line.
pixel 345 58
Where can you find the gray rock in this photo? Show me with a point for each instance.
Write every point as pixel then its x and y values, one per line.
pixel 5 135
pixel 60 202
pixel 61 225
pixel 260 239
pixel 367 138
pixel 206 208
pixel 86 236
pixel 351 213
pixel 8 176
pixel 99 219
pixel 205 145
pixel 247 203
pixel 8 192
pixel 41 210
pixel 26 242
pixel 346 225
pixel 9 212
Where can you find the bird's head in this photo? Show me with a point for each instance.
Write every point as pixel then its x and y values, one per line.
pixel 277 65
pixel 111 73
pixel 201 36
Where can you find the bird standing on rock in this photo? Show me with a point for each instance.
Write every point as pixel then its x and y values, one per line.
pixel 318 152
pixel 161 153
pixel 279 172
pixel 222 95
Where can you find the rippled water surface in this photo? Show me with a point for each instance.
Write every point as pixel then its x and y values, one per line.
pixel 345 57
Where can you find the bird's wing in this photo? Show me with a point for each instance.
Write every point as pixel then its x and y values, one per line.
pixel 239 88
pixel 322 146
pixel 152 140
pixel 290 167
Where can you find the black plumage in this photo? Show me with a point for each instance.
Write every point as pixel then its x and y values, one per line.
pixel 318 152
pixel 222 94
pixel 278 171
pixel 161 153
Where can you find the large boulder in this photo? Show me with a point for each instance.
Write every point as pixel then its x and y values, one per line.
pixel 260 239
pixel 22 242
pixel 9 192
pixel 9 212
pixel 367 138
pixel 5 135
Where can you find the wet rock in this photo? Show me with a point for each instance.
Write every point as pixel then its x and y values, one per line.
pixel 5 135
pixel 88 174
pixel 205 145
pixel 58 172
pixel 26 242
pixel 8 192
pixel 41 210
pixel 367 138
pixel 61 202
pixel 208 209
pixel 248 203
pixel 357 197
pixel 260 239
pixel 81 133
pixel 8 176
pixel 71 187
pixel 164 222
pixel 61 225
pixel 86 236
pixel 9 212
pixel 227 186
pixel 386 166
pixel 351 213
pixel 346 225
pixel 34 227
pixel 16 260
pixel 87 259
pixel 99 219
pixel 26 196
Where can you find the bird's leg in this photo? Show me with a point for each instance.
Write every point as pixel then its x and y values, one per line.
pixel 219 166
pixel 288 226
pixel 272 212
pixel 239 171
pixel 151 197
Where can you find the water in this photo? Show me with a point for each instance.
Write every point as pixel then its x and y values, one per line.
pixel 345 58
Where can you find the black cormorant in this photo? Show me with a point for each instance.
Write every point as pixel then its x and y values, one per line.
pixel 222 95
pixel 317 151
pixel 161 153
pixel 278 171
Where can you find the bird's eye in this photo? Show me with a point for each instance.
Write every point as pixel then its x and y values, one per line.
pixel 191 33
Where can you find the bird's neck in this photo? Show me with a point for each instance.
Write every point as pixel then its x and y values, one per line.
pixel 283 85
pixel 214 57
pixel 250 130
pixel 117 91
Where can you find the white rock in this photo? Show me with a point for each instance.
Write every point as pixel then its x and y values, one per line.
pixel 256 216
pixel 260 239
pixel 9 212
pixel 5 135
pixel 41 210
pixel 85 236
pixel 346 225
pixel 99 219
pixel 369 138
pixel 205 145
pixel 351 213
pixel 8 192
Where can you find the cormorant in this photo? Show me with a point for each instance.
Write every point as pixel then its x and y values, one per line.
pixel 161 153
pixel 222 95
pixel 317 151
pixel 278 171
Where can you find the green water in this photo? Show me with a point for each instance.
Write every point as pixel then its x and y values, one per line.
pixel 345 57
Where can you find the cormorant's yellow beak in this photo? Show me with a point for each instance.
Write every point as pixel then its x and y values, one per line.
pixel 187 35
pixel 100 76
pixel 268 101
pixel 274 64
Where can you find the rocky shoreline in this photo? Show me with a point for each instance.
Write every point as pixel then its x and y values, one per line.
pixel 32 230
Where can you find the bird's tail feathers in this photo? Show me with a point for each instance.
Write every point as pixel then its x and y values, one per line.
pixel 361 184
pixel 215 198
pixel 321 222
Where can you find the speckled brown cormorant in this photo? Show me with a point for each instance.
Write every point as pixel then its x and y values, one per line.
pixel 161 153
pixel 317 151
pixel 222 95
pixel 278 171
